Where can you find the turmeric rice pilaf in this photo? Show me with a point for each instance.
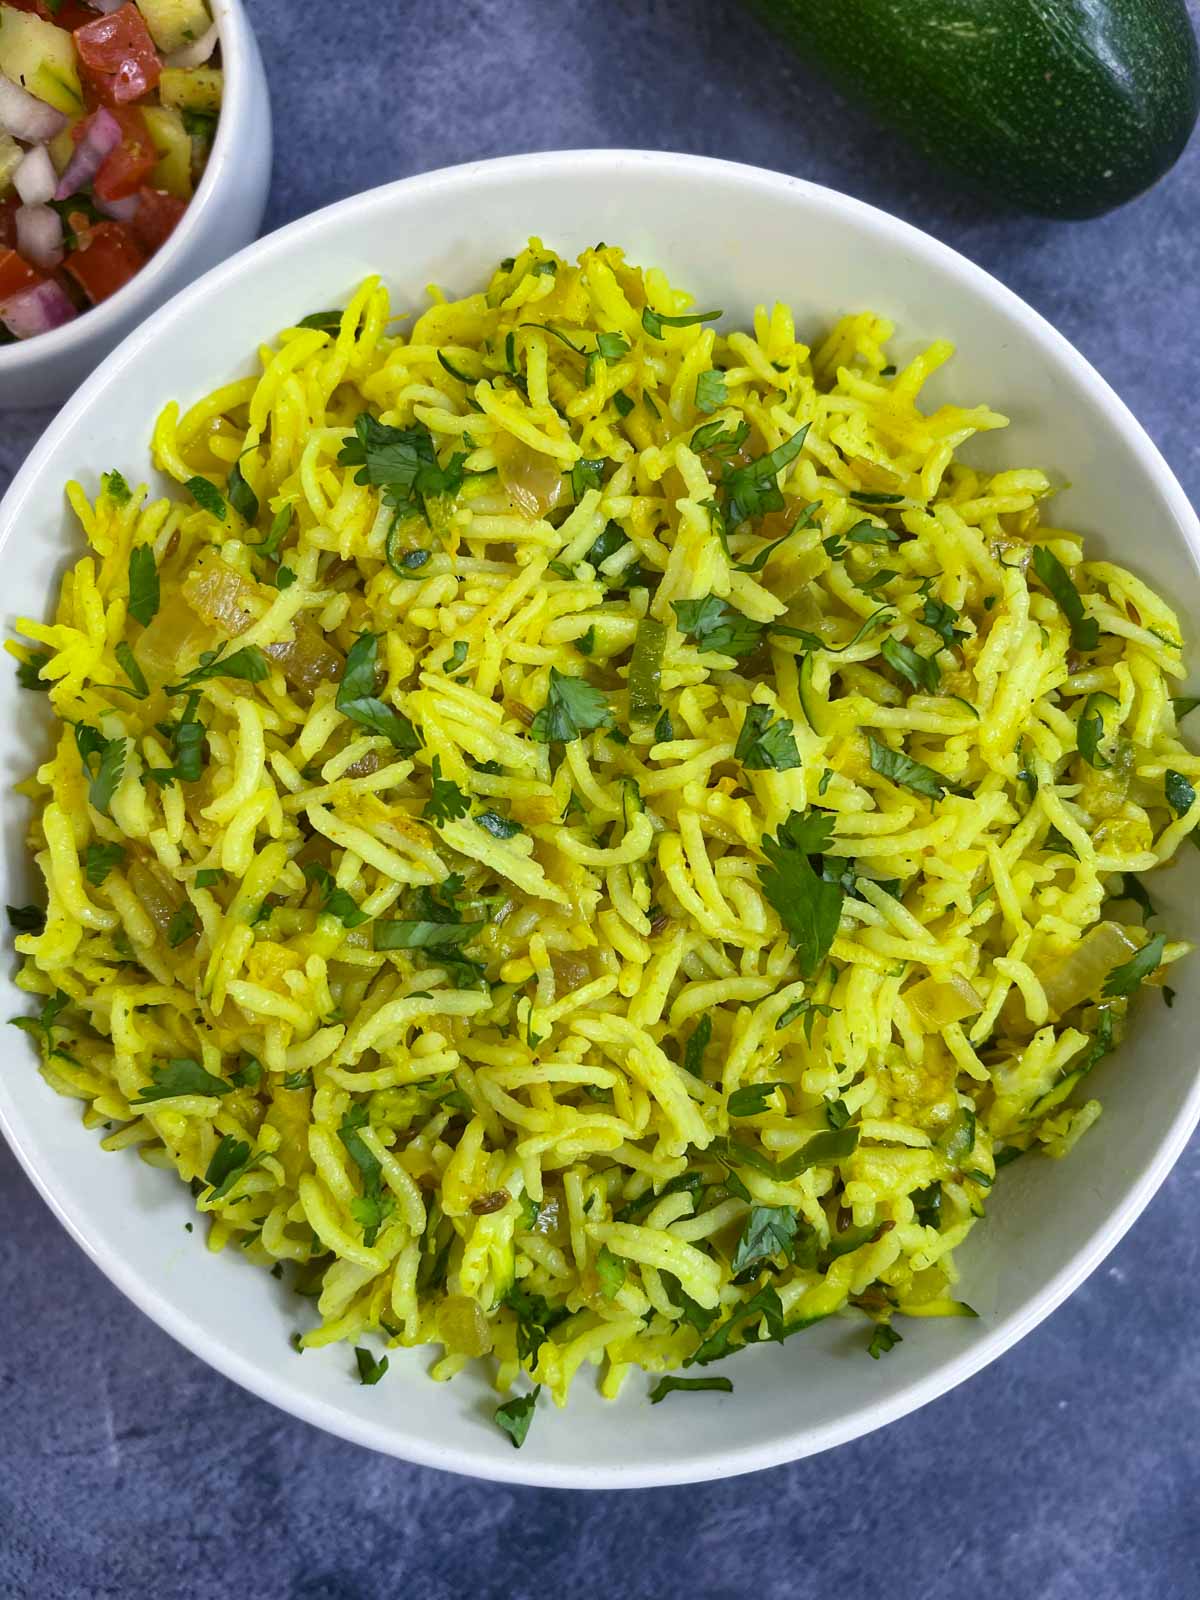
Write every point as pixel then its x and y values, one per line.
pixel 588 839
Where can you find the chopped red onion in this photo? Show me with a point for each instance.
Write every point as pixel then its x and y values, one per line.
pixel 40 236
pixel 101 136
pixel 119 210
pixel 196 53
pixel 25 116
pixel 35 180
pixel 37 310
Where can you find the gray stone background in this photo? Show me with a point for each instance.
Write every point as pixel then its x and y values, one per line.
pixel 1069 1469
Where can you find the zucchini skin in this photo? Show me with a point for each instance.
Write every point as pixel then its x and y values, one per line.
pixel 1067 108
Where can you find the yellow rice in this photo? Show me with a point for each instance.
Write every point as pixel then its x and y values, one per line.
pixel 430 1147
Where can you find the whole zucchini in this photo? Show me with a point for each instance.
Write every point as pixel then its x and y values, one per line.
pixel 1067 107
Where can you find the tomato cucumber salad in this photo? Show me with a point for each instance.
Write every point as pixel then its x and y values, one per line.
pixel 107 114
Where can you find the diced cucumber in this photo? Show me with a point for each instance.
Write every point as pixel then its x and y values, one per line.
pixel 62 146
pixel 11 156
pixel 192 88
pixel 174 23
pixel 41 58
pixel 174 145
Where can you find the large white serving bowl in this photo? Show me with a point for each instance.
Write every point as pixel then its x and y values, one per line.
pixel 224 214
pixel 736 236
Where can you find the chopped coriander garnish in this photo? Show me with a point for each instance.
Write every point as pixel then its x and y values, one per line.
pixel 902 769
pixel 99 861
pixel 654 321
pixel 711 394
pixel 143 584
pixel 716 626
pixel 1123 980
pixel 181 1075
pixel 883 1338
pixel 808 905
pixel 369 1370
pixel 207 496
pixel 241 496
pixel 769 1232
pixel 357 699
pixel 764 745
pixel 447 802
pixel 573 707
pixel 1085 630
pixel 673 1385
pixel 514 1416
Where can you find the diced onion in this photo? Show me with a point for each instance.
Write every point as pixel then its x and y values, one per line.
pixel 940 1004
pixel 35 180
pixel 25 116
pixel 101 136
pixel 1079 974
pixel 196 53
pixel 37 310
pixel 119 210
pixel 40 236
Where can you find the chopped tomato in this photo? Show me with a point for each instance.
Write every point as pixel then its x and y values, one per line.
pixel 124 168
pixel 67 14
pixel 8 223
pixel 156 218
pixel 117 56
pixel 110 259
pixel 16 274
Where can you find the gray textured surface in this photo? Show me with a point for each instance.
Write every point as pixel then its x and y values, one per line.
pixel 1067 1470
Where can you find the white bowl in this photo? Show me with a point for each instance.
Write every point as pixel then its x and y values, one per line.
pixel 735 236
pixel 224 214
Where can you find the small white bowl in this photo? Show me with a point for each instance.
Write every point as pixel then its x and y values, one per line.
pixel 734 236
pixel 224 214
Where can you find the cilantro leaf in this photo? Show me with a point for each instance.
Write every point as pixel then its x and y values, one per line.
pixel 369 1167
pixel 883 1339
pixel 921 671
pixel 447 801
pixel 356 697
pixel 751 491
pixel 181 1075
pixel 573 707
pixel 751 1099
pixel 711 393
pixel 248 664
pixel 766 746
pixel 1183 704
pixel 698 1042
pixel 1085 630
pixel 809 1010
pixel 586 474
pixel 868 532
pixel 673 1385
pixel 183 925
pixel 654 321
pixel 515 1416
pixel 228 1163
pixel 422 935
pixel 769 1232
pixel 29 671
pixel 808 905
pixel 129 666
pixel 941 618
pixel 143 584
pixel 26 919
pixel 45 1020
pixel 401 460
pixel 110 768
pixel 535 1318
pixel 499 827
pixel 114 486
pixel 1123 980
pixel 612 346
pixel 334 901
pixel 1089 730
pixel 716 626
pixel 902 769
pixel 369 1370
pixel 241 496
pixel 207 496
pixel 99 861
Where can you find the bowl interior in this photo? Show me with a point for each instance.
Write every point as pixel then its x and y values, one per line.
pixel 736 237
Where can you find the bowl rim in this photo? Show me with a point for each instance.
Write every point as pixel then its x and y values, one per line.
pixel 233 34
pixel 647 1473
